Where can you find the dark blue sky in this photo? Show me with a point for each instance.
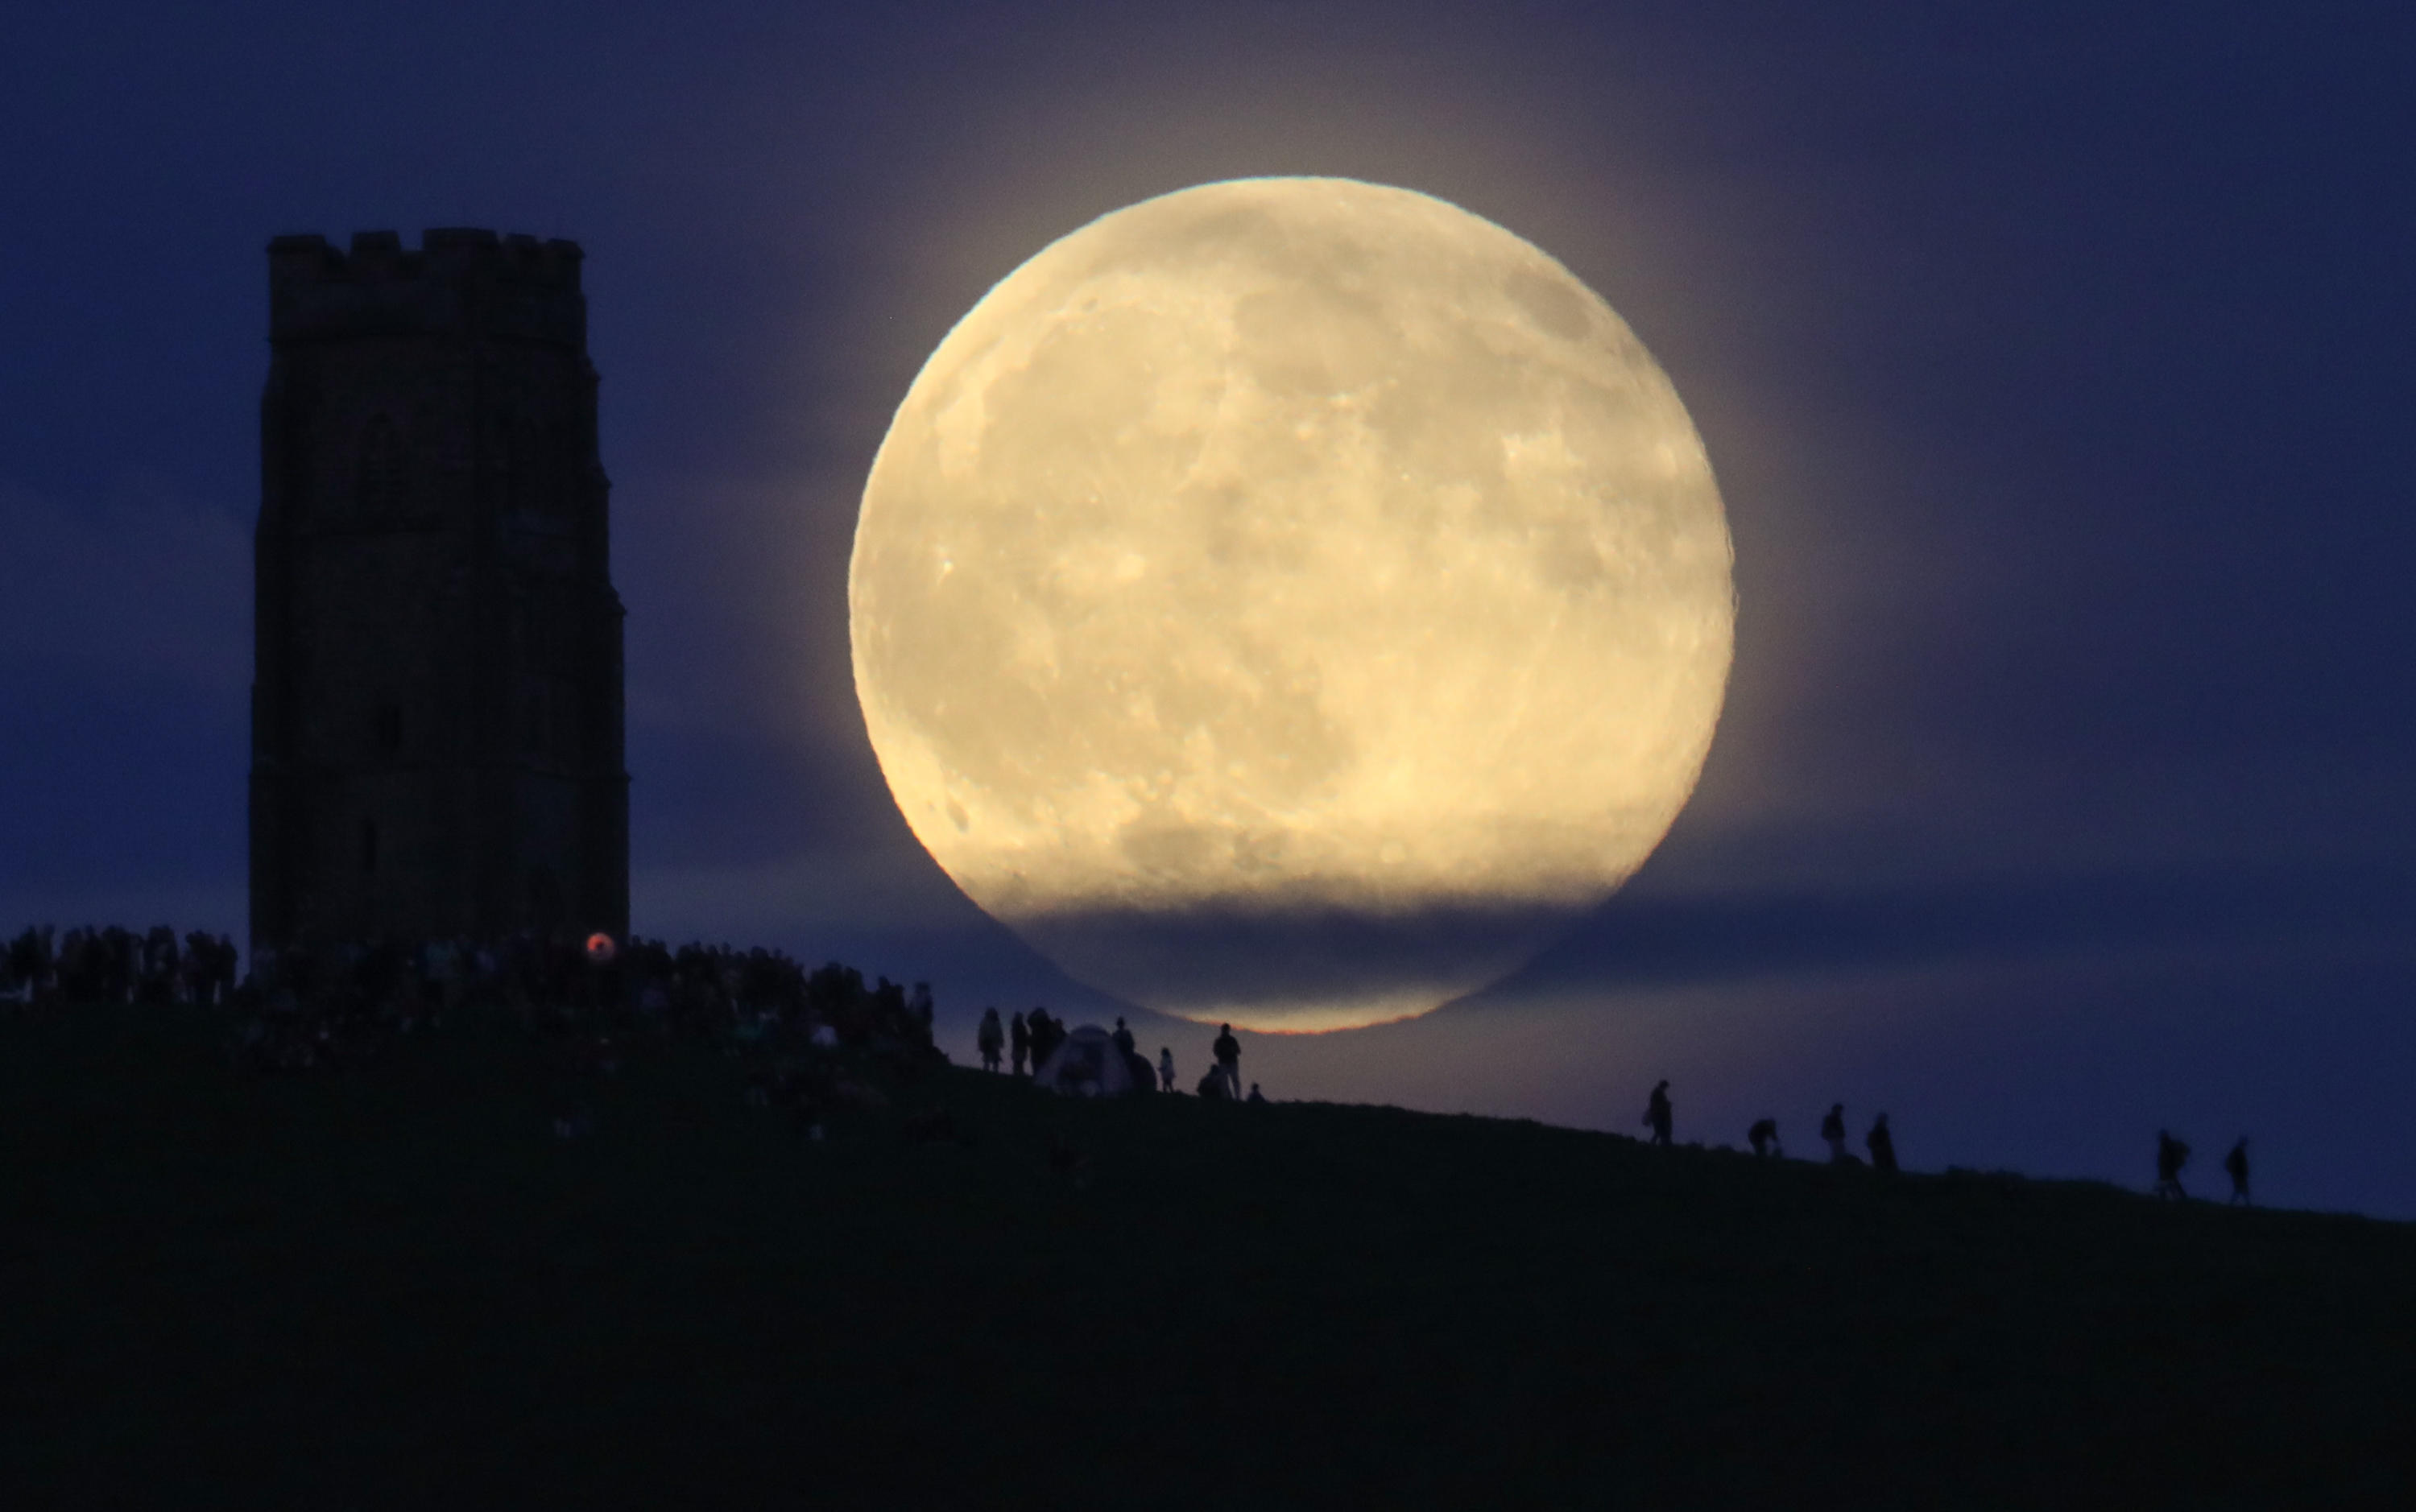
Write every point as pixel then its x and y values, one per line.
pixel 2056 364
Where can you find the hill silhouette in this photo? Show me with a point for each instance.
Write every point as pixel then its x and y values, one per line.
pixel 394 1284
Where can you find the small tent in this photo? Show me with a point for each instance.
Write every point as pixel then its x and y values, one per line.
pixel 1087 1064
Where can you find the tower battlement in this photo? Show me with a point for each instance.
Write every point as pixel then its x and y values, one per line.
pixel 457 281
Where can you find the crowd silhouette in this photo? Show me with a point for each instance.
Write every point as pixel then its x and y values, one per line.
pixel 117 966
pixel 302 1008
pixel 1023 1045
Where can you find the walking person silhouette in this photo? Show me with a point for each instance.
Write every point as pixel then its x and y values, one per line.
pixel 2235 1165
pixel 1656 1113
pixel 2172 1155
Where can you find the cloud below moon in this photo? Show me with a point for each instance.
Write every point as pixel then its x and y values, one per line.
pixel 1289 549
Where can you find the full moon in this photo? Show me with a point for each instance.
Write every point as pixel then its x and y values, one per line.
pixel 1291 602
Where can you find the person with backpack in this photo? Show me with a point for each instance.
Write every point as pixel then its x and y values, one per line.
pixel 2172 1156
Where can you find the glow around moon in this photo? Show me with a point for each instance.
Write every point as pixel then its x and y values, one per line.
pixel 1290 601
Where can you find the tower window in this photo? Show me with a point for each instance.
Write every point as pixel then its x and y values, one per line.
pixel 387 728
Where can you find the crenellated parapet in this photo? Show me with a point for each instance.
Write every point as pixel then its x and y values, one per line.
pixel 456 282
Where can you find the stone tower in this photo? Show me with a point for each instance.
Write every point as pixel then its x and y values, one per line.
pixel 436 729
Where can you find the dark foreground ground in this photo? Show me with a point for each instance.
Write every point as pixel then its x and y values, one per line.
pixel 392 1286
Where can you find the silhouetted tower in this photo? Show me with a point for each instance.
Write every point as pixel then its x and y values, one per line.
pixel 436 737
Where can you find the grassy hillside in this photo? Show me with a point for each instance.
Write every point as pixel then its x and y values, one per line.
pixel 394 1286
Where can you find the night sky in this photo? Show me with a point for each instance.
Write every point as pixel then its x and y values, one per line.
pixel 2056 366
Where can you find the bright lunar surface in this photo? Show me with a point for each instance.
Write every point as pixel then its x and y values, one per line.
pixel 1291 602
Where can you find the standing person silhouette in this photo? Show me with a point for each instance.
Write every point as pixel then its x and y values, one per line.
pixel 1832 1129
pixel 1019 1035
pixel 1165 1068
pixel 2235 1165
pixel 1123 1037
pixel 1228 1059
pixel 1881 1145
pixel 1656 1112
pixel 1046 1032
pixel 990 1039
pixel 2172 1155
